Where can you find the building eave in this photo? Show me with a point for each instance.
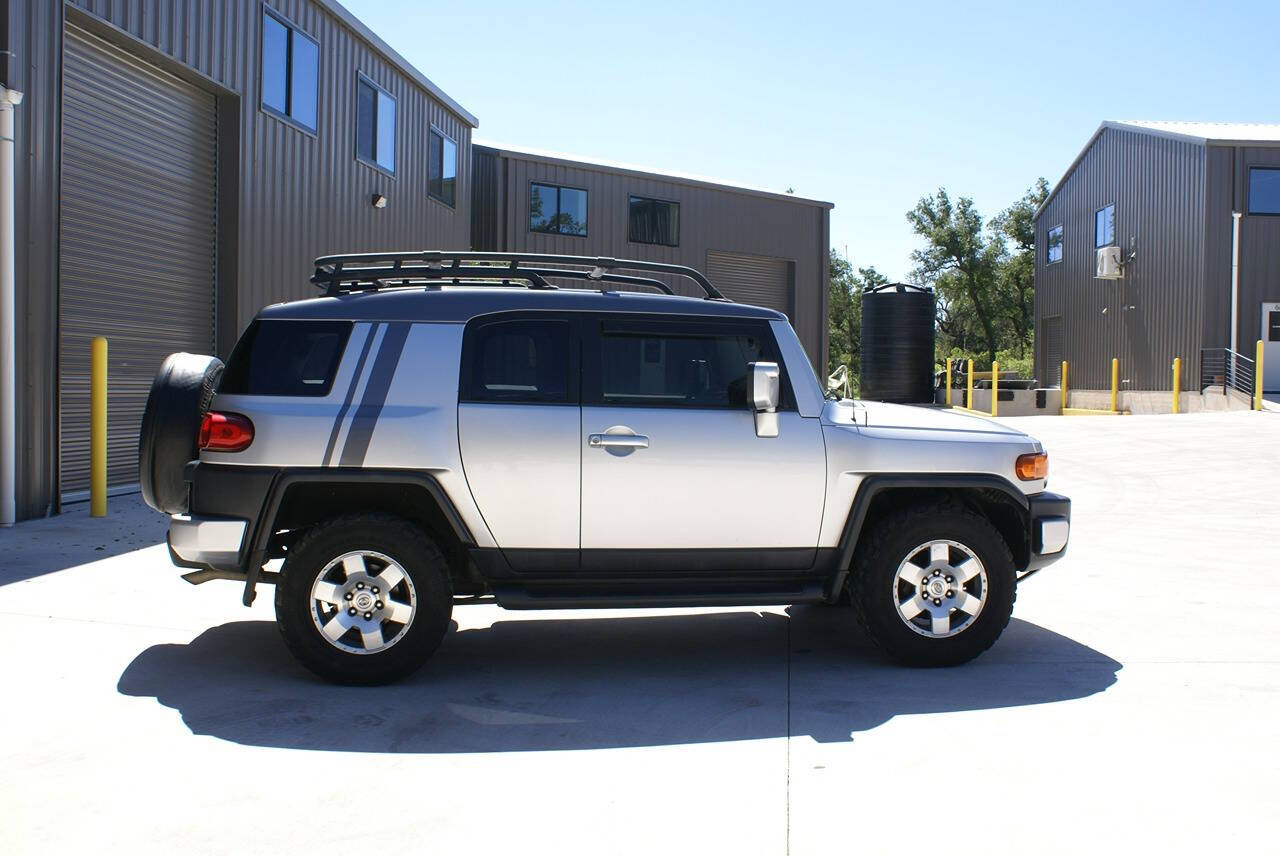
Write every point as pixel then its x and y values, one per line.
pixel 578 162
pixel 361 30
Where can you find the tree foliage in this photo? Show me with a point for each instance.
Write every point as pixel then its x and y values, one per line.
pixel 845 311
pixel 982 273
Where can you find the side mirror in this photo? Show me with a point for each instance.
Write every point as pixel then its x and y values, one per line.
pixel 765 393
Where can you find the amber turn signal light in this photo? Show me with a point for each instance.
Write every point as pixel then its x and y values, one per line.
pixel 1033 466
pixel 225 432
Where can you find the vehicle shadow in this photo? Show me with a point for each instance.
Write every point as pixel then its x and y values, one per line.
pixel 555 683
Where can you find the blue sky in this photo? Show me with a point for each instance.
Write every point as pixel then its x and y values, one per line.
pixel 869 106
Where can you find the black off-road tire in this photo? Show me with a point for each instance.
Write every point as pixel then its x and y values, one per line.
pixel 872 584
pixel 180 396
pixel 398 540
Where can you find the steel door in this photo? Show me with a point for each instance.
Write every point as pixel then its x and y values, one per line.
pixel 1271 347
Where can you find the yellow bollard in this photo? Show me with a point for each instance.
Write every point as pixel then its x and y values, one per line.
pixel 98 428
pixel 1064 387
pixel 1257 378
pixel 968 398
pixel 1177 382
pixel 995 388
pixel 1115 382
pixel 948 393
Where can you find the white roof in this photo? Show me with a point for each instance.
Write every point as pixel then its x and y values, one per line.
pixel 529 153
pixel 1245 132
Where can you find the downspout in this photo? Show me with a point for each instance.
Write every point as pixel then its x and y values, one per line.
pixel 9 99
pixel 1235 290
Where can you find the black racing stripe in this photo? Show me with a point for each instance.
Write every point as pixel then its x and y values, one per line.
pixel 351 394
pixel 375 395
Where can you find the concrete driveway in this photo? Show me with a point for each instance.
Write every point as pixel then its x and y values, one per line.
pixel 1132 704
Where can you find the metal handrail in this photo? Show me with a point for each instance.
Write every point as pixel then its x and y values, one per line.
pixel 1228 369
pixel 337 274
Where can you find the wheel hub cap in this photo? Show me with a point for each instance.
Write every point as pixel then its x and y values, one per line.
pixel 363 602
pixel 940 588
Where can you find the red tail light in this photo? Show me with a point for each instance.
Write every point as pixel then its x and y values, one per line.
pixel 225 432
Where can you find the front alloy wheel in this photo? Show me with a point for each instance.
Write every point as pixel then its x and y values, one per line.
pixel 933 586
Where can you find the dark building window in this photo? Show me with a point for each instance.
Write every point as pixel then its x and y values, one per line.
pixel 1053 251
pixel 442 168
pixel 1104 227
pixel 1264 190
pixel 517 362
pixel 375 126
pixel 557 210
pixel 290 71
pixel 654 221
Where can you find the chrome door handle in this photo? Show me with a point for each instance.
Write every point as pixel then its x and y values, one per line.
pixel 618 441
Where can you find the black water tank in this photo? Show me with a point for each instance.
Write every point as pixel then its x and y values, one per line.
pixel 897 344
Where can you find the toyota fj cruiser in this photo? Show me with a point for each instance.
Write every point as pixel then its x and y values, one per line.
pixel 444 428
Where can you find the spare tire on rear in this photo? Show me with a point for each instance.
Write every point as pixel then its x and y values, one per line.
pixel 180 397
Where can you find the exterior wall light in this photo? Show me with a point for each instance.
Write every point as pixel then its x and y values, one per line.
pixel 379 201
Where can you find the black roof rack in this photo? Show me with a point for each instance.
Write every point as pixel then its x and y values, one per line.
pixel 373 271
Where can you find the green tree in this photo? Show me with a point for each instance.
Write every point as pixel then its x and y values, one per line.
pixel 960 260
pixel 1017 268
pixel 845 311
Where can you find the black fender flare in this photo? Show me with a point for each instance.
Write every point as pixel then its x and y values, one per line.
pixel 255 549
pixel 874 485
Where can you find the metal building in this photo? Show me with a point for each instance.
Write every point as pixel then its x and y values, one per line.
pixel 758 247
pixel 1164 196
pixel 179 163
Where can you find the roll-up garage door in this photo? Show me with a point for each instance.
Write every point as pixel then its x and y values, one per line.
pixel 758 280
pixel 137 246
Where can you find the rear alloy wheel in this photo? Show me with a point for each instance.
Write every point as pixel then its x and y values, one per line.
pixel 364 599
pixel 934 586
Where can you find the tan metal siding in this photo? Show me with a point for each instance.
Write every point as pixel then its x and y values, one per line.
pixel 139 178
pixel 710 219
pixel 1156 313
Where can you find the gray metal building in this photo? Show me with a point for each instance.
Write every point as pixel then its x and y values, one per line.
pixel 758 247
pixel 1164 193
pixel 180 162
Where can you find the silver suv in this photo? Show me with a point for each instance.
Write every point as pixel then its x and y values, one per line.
pixel 534 431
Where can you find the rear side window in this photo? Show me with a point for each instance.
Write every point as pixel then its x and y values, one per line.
pixel 286 358
pixel 522 361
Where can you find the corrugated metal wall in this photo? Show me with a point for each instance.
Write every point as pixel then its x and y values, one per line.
pixel 711 219
pixel 292 195
pixel 1259 245
pixel 1156 312
pixel 484 199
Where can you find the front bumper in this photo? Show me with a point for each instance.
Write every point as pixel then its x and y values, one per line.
pixel 206 542
pixel 1050 517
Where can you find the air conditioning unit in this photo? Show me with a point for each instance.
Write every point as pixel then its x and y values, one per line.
pixel 1109 263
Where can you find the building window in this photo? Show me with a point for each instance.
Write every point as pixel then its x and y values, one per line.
pixel 557 210
pixel 1264 190
pixel 1104 227
pixel 654 221
pixel 290 71
pixel 442 168
pixel 1053 251
pixel 375 125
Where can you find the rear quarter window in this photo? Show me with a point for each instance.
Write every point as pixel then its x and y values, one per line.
pixel 297 358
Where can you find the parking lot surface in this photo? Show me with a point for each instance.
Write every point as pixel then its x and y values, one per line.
pixel 1131 705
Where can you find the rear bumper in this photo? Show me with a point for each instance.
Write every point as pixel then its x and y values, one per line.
pixel 1050 516
pixel 206 542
